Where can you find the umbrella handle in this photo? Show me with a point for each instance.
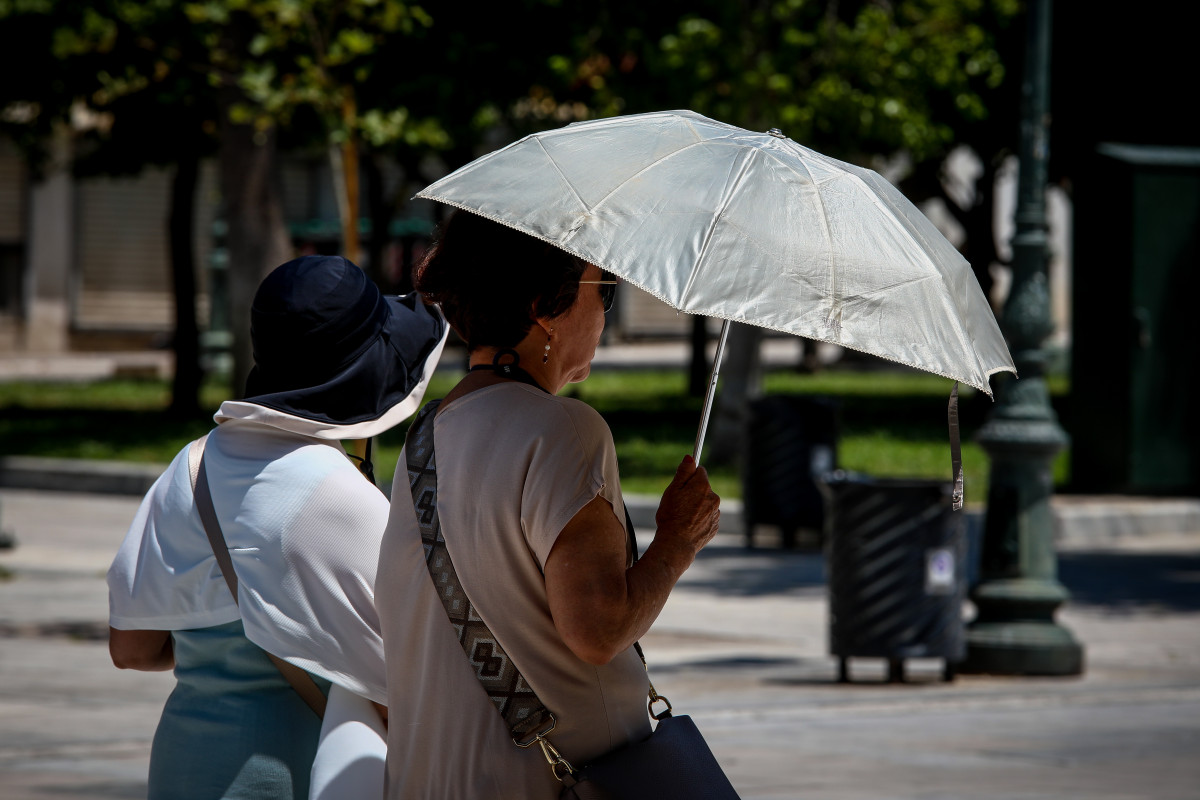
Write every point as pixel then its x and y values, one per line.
pixel 712 390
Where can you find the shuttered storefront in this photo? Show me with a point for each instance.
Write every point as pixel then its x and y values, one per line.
pixel 123 281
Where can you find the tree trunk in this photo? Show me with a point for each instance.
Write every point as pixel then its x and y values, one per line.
pixel 379 211
pixel 185 386
pixel 344 158
pixel 258 239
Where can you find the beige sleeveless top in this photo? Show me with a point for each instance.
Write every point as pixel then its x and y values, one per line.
pixel 514 465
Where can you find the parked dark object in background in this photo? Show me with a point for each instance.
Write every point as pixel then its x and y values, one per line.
pixel 791 442
pixel 896 570
pixel 1134 322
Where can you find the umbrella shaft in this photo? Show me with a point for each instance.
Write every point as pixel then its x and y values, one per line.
pixel 712 391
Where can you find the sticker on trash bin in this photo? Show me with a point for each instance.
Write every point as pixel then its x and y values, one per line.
pixel 939 571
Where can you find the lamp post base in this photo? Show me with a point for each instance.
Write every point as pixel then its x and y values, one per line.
pixel 1021 648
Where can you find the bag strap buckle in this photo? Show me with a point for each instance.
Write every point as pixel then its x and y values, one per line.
pixel 655 697
pixel 558 764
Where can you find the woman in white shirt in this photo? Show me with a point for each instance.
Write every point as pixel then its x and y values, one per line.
pixel 334 360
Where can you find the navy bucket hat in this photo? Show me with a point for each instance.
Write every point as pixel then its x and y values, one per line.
pixel 333 355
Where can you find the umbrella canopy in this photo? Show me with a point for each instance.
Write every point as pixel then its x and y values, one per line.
pixel 749 227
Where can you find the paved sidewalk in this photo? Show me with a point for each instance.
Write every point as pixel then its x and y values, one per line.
pixel 740 646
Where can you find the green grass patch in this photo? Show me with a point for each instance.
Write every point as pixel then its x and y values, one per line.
pixel 890 423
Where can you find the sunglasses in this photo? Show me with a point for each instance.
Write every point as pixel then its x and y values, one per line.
pixel 608 288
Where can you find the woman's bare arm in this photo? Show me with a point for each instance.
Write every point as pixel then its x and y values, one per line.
pixel 601 607
pixel 148 651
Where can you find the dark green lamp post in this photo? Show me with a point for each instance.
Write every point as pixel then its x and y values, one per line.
pixel 1014 632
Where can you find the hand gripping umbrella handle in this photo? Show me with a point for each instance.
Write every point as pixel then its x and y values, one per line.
pixel 712 391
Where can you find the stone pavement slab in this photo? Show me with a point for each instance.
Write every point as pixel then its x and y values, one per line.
pixel 72 725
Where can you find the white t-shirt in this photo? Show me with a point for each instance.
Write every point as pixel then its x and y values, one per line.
pixel 303 528
pixel 514 465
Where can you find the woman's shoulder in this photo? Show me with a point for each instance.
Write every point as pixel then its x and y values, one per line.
pixel 568 412
pixel 574 407
pixel 521 416
pixel 520 404
pixel 568 425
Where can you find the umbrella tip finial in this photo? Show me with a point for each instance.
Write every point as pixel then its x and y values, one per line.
pixel 778 134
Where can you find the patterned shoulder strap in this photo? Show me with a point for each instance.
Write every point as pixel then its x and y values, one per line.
pixel 523 712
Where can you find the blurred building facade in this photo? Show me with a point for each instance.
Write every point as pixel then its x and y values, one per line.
pixel 84 262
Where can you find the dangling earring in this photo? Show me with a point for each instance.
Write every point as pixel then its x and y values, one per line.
pixel 546 355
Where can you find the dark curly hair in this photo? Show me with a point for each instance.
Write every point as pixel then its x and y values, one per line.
pixel 492 281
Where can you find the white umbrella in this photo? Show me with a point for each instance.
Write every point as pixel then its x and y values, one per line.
pixel 748 227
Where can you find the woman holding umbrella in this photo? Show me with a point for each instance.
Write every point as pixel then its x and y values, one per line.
pixel 521 514
pixel 292 581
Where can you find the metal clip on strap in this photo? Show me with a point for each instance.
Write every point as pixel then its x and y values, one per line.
pixel 558 764
pixel 655 697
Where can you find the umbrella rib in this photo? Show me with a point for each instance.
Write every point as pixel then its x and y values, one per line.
pixel 984 387
pixel 966 341
pixel 692 128
pixel 824 321
pixel 642 171
pixel 875 199
pixel 712 225
pixel 833 265
pixel 554 164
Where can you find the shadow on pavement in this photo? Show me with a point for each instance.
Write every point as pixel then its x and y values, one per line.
pixel 1112 580
pixel 722 664
pixel 79 631
pixel 738 572
pixel 1132 581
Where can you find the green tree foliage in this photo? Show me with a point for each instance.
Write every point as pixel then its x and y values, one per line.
pixel 855 79
pixel 320 56
pixel 863 80
pixel 122 72
pixel 116 75
pixel 875 83
pixel 896 84
pixel 164 81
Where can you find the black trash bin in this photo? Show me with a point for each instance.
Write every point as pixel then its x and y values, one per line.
pixel 791 441
pixel 896 570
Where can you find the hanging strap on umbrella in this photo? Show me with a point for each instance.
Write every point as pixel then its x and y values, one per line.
pixel 955 449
